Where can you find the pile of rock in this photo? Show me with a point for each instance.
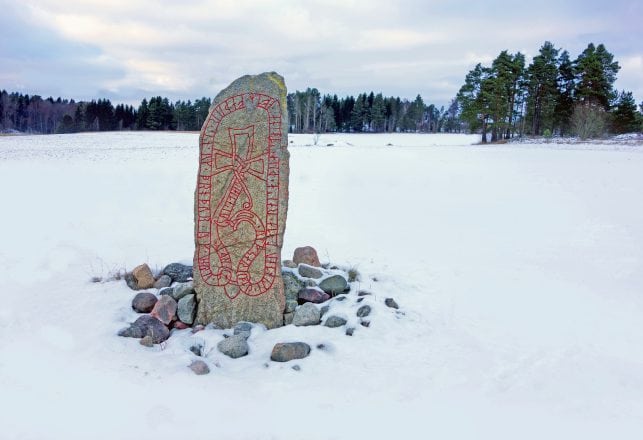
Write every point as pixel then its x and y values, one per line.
pixel 316 294
pixel 174 306
pixel 307 281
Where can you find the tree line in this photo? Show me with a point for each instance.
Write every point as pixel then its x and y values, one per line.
pixel 552 95
pixel 33 114
pixel 309 112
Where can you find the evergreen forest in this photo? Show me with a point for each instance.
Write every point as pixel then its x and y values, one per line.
pixel 552 95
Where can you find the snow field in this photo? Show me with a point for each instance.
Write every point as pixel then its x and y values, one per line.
pixel 519 270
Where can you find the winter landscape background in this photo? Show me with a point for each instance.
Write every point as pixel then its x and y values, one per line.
pixel 517 268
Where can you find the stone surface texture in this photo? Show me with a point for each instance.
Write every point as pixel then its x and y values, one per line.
pixel 186 309
pixel 144 302
pixel 335 321
pixel 287 351
pixel 143 276
pixel 390 302
pixel 241 203
pixel 309 271
pixel 163 281
pixel 178 272
pixel 165 309
pixel 146 325
pixel 199 367
pixel 306 255
pixel 235 346
pixel 334 285
pixel 243 328
pixel 306 314
pixel 312 295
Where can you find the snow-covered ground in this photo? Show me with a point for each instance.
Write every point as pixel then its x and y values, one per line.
pixel 519 269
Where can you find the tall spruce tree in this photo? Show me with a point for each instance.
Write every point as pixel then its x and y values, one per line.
pixel 566 86
pixel 595 71
pixel 542 77
pixel 624 117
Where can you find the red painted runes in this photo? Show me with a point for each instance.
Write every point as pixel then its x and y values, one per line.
pixel 239 158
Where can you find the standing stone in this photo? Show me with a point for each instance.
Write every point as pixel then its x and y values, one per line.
pixel 241 202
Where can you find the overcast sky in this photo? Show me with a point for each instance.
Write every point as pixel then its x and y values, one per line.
pixel 129 49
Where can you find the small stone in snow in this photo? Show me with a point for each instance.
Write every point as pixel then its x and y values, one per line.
pixel 364 311
pixel 349 331
pixel 334 285
pixel 287 351
pixel 197 349
pixel 235 346
pixel 199 367
pixel 296 367
pixel 335 321
pixel 390 302
pixel 289 264
pixel 363 293
pixel 243 328
pixel 365 323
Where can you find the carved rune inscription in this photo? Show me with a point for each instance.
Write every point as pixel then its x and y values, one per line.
pixel 236 237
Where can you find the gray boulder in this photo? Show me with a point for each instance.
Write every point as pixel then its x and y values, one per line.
pixel 335 321
pixel 187 308
pixel 235 346
pixel 309 271
pixel 178 272
pixel 306 314
pixel 183 289
pixel 291 305
pixel 292 285
pixel 284 352
pixel 334 285
pixel 243 328
pixel 166 291
pixel 144 302
pixel 146 325
pixel 163 281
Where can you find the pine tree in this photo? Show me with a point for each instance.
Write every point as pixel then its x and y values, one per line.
pixel 143 115
pixel 566 86
pixel 596 71
pixel 378 113
pixel 542 76
pixel 624 117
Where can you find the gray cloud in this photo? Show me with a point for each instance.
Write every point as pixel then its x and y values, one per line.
pixel 126 50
